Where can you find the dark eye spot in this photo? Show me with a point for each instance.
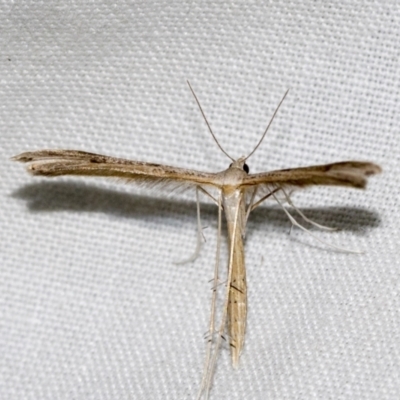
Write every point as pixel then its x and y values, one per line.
pixel 230 165
pixel 246 168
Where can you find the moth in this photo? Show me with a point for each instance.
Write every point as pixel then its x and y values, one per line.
pixel 240 192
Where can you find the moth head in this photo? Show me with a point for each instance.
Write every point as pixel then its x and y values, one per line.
pixel 240 164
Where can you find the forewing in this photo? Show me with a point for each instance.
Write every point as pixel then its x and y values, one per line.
pixel 73 162
pixel 346 173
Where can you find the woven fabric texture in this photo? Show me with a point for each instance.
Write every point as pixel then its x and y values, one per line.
pixel 92 303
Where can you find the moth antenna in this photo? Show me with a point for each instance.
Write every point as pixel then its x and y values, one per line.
pixel 205 119
pixel 295 223
pixel 269 124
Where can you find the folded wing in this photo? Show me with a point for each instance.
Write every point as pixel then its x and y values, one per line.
pixel 73 162
pixel 346 173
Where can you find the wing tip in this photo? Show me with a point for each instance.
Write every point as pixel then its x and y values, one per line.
pixel 23 157
pixel 372 169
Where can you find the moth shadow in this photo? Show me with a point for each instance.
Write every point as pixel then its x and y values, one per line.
pixel 84 197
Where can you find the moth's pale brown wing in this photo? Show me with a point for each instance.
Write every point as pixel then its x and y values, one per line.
pixel 345 173
pixel 73 162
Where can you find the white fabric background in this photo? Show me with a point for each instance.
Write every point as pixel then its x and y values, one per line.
pixel 92 305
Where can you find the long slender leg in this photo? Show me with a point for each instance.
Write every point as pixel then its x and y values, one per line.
pixel 211 328
pixel 209 195
pixel 199 234
pixel 250 206
pixel 295 223
pixel 289 200
pixel 255 205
